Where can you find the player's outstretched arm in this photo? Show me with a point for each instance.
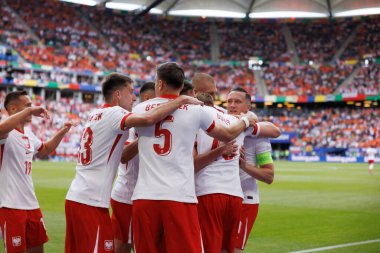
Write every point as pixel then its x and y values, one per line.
pixel 202 160
pixel 227 134
pixel 264 173
pixel 159 113
pixel 268 130
pixel 11 123
pixel 129 151
pixel 53 143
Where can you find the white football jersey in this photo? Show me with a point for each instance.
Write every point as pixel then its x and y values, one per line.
pixel 99 155
pixel 222 175
pixel 371 153
pixel 16 184
pixel 166 170
pixel 127 176
pixel 253 147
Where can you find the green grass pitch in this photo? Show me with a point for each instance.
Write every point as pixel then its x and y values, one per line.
pixel 309 205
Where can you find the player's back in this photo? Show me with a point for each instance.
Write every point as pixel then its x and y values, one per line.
pixel 222 175
pixel 166 170
pixel 99 155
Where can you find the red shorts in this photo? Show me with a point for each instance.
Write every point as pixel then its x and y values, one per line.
pixel 371 161
pixel 247 220
pixel 22 229
pixel 166 226
pixel 121 221
pixel 219 217
pixel 88 229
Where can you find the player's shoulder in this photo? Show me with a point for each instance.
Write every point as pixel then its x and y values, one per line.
pixel 220 109
pixel 148 104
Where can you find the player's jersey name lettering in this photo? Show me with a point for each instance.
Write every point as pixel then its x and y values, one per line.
pixel 152 106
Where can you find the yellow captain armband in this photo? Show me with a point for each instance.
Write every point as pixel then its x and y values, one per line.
pixel 264 158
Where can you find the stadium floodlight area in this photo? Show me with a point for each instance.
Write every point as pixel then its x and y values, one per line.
pixel 84 2
pixel 130 7
pixel 358 12
pixel 207 13
pixel 287 14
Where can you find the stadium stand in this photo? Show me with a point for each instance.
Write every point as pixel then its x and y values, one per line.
pixel 75 47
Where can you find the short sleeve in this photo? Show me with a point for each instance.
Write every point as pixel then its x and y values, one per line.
pixel 118 118
pixel 132 135
pixel 207 119
pixel 253 131
pixel 263 145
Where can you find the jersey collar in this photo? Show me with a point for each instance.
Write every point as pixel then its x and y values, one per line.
pixel 169 96
pixel 106 105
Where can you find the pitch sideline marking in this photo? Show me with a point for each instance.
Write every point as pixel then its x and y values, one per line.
pixel 336 246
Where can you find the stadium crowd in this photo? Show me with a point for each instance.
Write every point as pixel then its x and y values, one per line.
pixel 330 127
pixel 318 42
pixel 95 39
pixel 304 80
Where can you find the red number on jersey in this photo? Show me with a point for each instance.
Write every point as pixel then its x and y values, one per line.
pixel 28 167
pixel 215 144
pixel 159 131
pixel 86 155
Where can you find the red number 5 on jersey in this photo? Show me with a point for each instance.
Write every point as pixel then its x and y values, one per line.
pixel 159 131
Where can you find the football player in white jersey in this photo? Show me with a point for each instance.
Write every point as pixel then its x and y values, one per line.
pixel 88 224
pixel 218 185
pixel 256 163
pixel 124 185
pixel 21 219
pixel 164 203
pixel 371 153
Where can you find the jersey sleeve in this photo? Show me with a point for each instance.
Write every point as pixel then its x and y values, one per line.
pixel 132 135
pixel 207 119
pixel 119 116
pixel 263 151
pixel 253 131
pixel 34 141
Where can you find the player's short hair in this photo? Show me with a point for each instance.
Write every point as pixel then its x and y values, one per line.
pixel 146 87
pixel 240 89
pixel 114 81
pixel 186 87
pixel 172 74
pixel 206 98
pixel 12 96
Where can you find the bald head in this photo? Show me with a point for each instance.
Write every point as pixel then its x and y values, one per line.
pixel 203 82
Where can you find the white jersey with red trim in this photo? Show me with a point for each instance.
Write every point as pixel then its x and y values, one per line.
pixel 166 152
pixel 127 176
pixel 253 147
pixel 16 184
pixel 371 153
pixel 222 175
pixel 99 155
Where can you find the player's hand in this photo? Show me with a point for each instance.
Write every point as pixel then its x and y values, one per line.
pixel 252 117
pixel 67 126
pixel 190 100
pixel 230 149
pixel 39 111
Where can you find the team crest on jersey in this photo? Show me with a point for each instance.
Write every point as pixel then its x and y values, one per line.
pixel 108 245
pixel 16 241
pixel 26 142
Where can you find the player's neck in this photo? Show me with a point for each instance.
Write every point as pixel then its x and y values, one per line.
pixel 20 127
